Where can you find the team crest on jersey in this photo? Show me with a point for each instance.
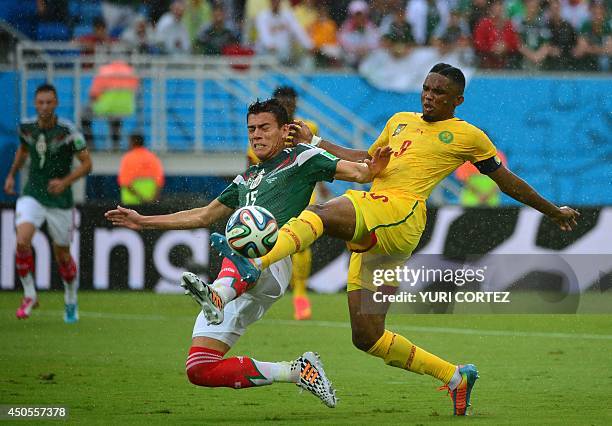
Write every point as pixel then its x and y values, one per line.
pixel 446 136
pixel 254 181
pixel 399 129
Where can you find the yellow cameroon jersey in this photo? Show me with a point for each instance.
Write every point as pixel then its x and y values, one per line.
pixel 314 128
pixel 425 153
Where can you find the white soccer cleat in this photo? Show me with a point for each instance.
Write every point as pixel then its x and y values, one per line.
pixel 313 378
pixel 211 303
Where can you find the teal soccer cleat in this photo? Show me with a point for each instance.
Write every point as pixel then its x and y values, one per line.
pixel 247 268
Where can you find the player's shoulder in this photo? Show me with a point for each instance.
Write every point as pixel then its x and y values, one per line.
pixel 405 116
pixel 305 152
pixel 67 125
pixel 28 122
pixel 466 125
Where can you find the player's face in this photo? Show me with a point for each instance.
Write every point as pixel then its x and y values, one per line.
pixel 45 103
pixel 439 98
pixel 266 137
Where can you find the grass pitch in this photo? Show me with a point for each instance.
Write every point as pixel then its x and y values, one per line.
pixel 123 363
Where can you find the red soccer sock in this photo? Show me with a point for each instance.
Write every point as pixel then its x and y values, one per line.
pixel 67 270
pixel 24 262
pixel 229 284
pixel 206 367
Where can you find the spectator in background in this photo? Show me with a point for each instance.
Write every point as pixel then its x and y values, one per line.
pixel 251 9
pixel 213 38
pixel 278 31
pixel 198 14
pixel 495 40
pixel 119 14
pixel 563 39
pixel 456 39
pixel 306 13
pixel 428 18
pixel 52 19
pixel 535 37
pixel 595 40
pixel 474 10
pixel 397 33
pixel 98 38
pixel 576 12
pixel 324 35
pixel 140 37
pixel 358 36
pixel 112 96
pixel 141 174
pixel 170 31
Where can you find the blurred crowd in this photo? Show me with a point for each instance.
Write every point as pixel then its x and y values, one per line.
pixel 562 35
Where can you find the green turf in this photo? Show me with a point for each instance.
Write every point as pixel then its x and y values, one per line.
pixel 123 363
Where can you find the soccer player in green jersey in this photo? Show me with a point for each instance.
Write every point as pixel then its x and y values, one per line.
pixel 282 183
pixel 50 143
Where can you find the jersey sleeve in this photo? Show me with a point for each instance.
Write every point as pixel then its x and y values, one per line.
pixel 382 140
pixel 316 164
pixel 77 140
pixel 229 196
pixel 482 148
pixel 24 138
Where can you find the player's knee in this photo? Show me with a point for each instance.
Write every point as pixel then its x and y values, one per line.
pixel 24 246
pixel 363 341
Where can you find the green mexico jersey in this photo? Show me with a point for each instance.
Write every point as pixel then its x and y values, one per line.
pixel 51 152
pixel 283 184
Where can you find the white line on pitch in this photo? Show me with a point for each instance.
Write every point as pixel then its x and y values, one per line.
pixel 341 324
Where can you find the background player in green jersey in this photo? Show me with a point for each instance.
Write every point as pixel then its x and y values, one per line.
pixel 282 183
pixel 50 143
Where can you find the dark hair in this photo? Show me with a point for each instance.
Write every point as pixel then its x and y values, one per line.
pixel 453 74
pixel 45 87
pixel 273 106
pixel 285 91
pixel 137 139
pixel 98 21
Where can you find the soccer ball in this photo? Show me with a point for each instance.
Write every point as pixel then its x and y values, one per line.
pixel 251 231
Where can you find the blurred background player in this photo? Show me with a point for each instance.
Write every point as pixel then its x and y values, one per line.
pixel 302 261
pixel 50 143
pixel 141 173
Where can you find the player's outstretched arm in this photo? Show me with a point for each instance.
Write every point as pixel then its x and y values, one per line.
pixel 366 171
pixel 512 185
pixel 300 133
pixel 200 217
pixel 20 158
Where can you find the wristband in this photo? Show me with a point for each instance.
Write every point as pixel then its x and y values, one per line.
pixel 315 141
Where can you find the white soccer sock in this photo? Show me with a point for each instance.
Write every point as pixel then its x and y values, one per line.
pixel 29 289
pixel 455 380
pixel 223 287
pixel 278 371
pixel 70 292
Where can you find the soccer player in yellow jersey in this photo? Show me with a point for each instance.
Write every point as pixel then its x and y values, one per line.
pixel 302 260
pixel 389 219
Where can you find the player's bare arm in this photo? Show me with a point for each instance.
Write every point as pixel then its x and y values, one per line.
pixel 20 158
pixel 301 134
pixel 512 185
pixel 366 171
pixel 200 217
pixel 59 185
